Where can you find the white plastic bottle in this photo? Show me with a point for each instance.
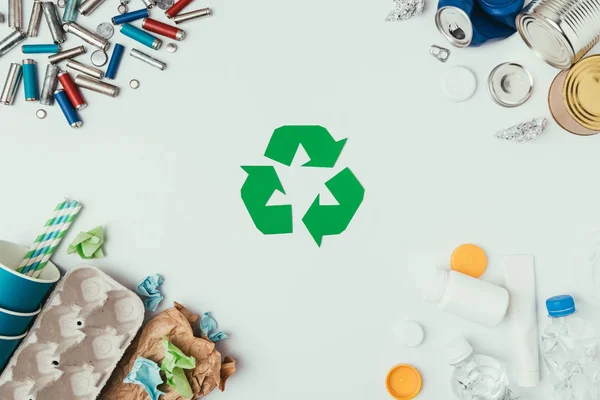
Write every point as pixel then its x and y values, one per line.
pixel 468 297
pixel 475 376
pixel 571 352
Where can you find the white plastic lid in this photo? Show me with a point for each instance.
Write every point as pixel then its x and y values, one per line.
pixel 459 84
pixel 410 333
pixel 458 350
pixel 436 286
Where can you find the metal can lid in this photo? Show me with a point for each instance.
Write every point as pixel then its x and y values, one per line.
pixel 510 85
pixel 546 39
pixel 559 111
pixel 455 25
pixel 581 92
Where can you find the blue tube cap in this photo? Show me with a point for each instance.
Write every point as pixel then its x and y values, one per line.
pixel 560 306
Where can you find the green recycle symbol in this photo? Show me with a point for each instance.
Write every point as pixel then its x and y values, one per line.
pixel 262 181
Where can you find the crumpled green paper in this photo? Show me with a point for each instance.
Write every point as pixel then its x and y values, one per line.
pixel 173 364
pixel 88 244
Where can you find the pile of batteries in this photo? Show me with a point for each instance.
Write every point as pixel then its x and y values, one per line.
pixel 69 97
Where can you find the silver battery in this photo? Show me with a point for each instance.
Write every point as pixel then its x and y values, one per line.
pixel 49 85
pixel 11 84
pixel 560 31
pixel 88 6
pixel 203 12
pixel 97 86
pixel 12 40
pixel 54 24
pixel 135 53
pixel 86 69
pixel 66 54
pixel 15 14
pixel 87 36
pixel 35 19
pixel 149 3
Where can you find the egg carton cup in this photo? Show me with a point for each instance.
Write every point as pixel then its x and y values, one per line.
pixel 77 340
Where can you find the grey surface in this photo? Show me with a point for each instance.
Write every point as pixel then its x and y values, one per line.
pixel 308 322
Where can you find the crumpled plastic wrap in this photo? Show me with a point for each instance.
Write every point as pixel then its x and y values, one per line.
pixel 176 324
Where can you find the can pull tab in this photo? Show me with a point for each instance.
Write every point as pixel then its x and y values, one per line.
pixel 441 53
pixel 456 31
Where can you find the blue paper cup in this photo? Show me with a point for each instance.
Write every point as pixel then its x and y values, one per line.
pixel 8 345
pixel 18 292
pixel 14 323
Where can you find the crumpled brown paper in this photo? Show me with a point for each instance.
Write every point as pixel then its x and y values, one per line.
pixel 176 324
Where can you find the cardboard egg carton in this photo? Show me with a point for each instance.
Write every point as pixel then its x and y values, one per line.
pixel 76 341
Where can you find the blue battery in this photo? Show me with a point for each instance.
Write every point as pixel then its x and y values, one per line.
pixel 30 80
pixel 140 36
pixel 67 109
pixel 40 48
pixel 115 61
pixel 464 23
pixel 130 16
pixel 505 11
pixel 71 11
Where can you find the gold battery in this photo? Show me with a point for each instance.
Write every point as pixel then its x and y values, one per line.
pixel 581 92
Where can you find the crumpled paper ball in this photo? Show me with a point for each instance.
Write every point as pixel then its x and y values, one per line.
pixel 88 244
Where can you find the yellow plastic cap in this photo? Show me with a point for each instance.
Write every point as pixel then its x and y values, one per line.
pixel 469 260
pixel 403 382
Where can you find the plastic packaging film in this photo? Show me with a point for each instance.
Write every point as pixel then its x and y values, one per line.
pixel 77 341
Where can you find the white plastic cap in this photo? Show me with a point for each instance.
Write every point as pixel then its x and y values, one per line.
pixel 410 333
pixel 458 350
pixel 528 379
pixel 436 286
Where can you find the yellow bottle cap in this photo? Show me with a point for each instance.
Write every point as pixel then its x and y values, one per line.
pixel 469 260
pixel 403 382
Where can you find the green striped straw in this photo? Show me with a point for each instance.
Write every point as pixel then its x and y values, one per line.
pixel 74 211
pixel 41 237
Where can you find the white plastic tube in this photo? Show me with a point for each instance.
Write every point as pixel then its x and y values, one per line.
pixel 519 272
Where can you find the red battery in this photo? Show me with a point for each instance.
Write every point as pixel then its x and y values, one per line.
pixel 163 29
pixel 71 90
pixel 176 8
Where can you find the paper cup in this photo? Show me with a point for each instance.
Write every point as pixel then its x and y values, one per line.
pixel 8 345
pixel 14 323
pixel 18 292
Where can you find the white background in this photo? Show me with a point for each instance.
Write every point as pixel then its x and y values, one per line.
pixel 160 169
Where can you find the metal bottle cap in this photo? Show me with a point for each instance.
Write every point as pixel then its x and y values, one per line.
pixel 510 85
pixel 581 92
pixel 559 111
pixel 455 25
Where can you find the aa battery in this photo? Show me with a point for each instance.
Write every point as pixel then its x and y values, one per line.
pixel 70 13
pixel 67 108
pixel 15 14
pixel 51 15
pixel 12 40
pixel 35 19
pixel 161 28
pixel 149 3
pixel 88 6
pixel 11 84
pixel 135 53
pixel 115 61
pixel 140 36
pixel 130 16
pixel 30 80
pixel 71 90
pixel 87 35
pixel 176 8
pixel 86 69
pixel 49 85
pixel 96 85
pixel 179 18
pixel 66 54
pixel 40 48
